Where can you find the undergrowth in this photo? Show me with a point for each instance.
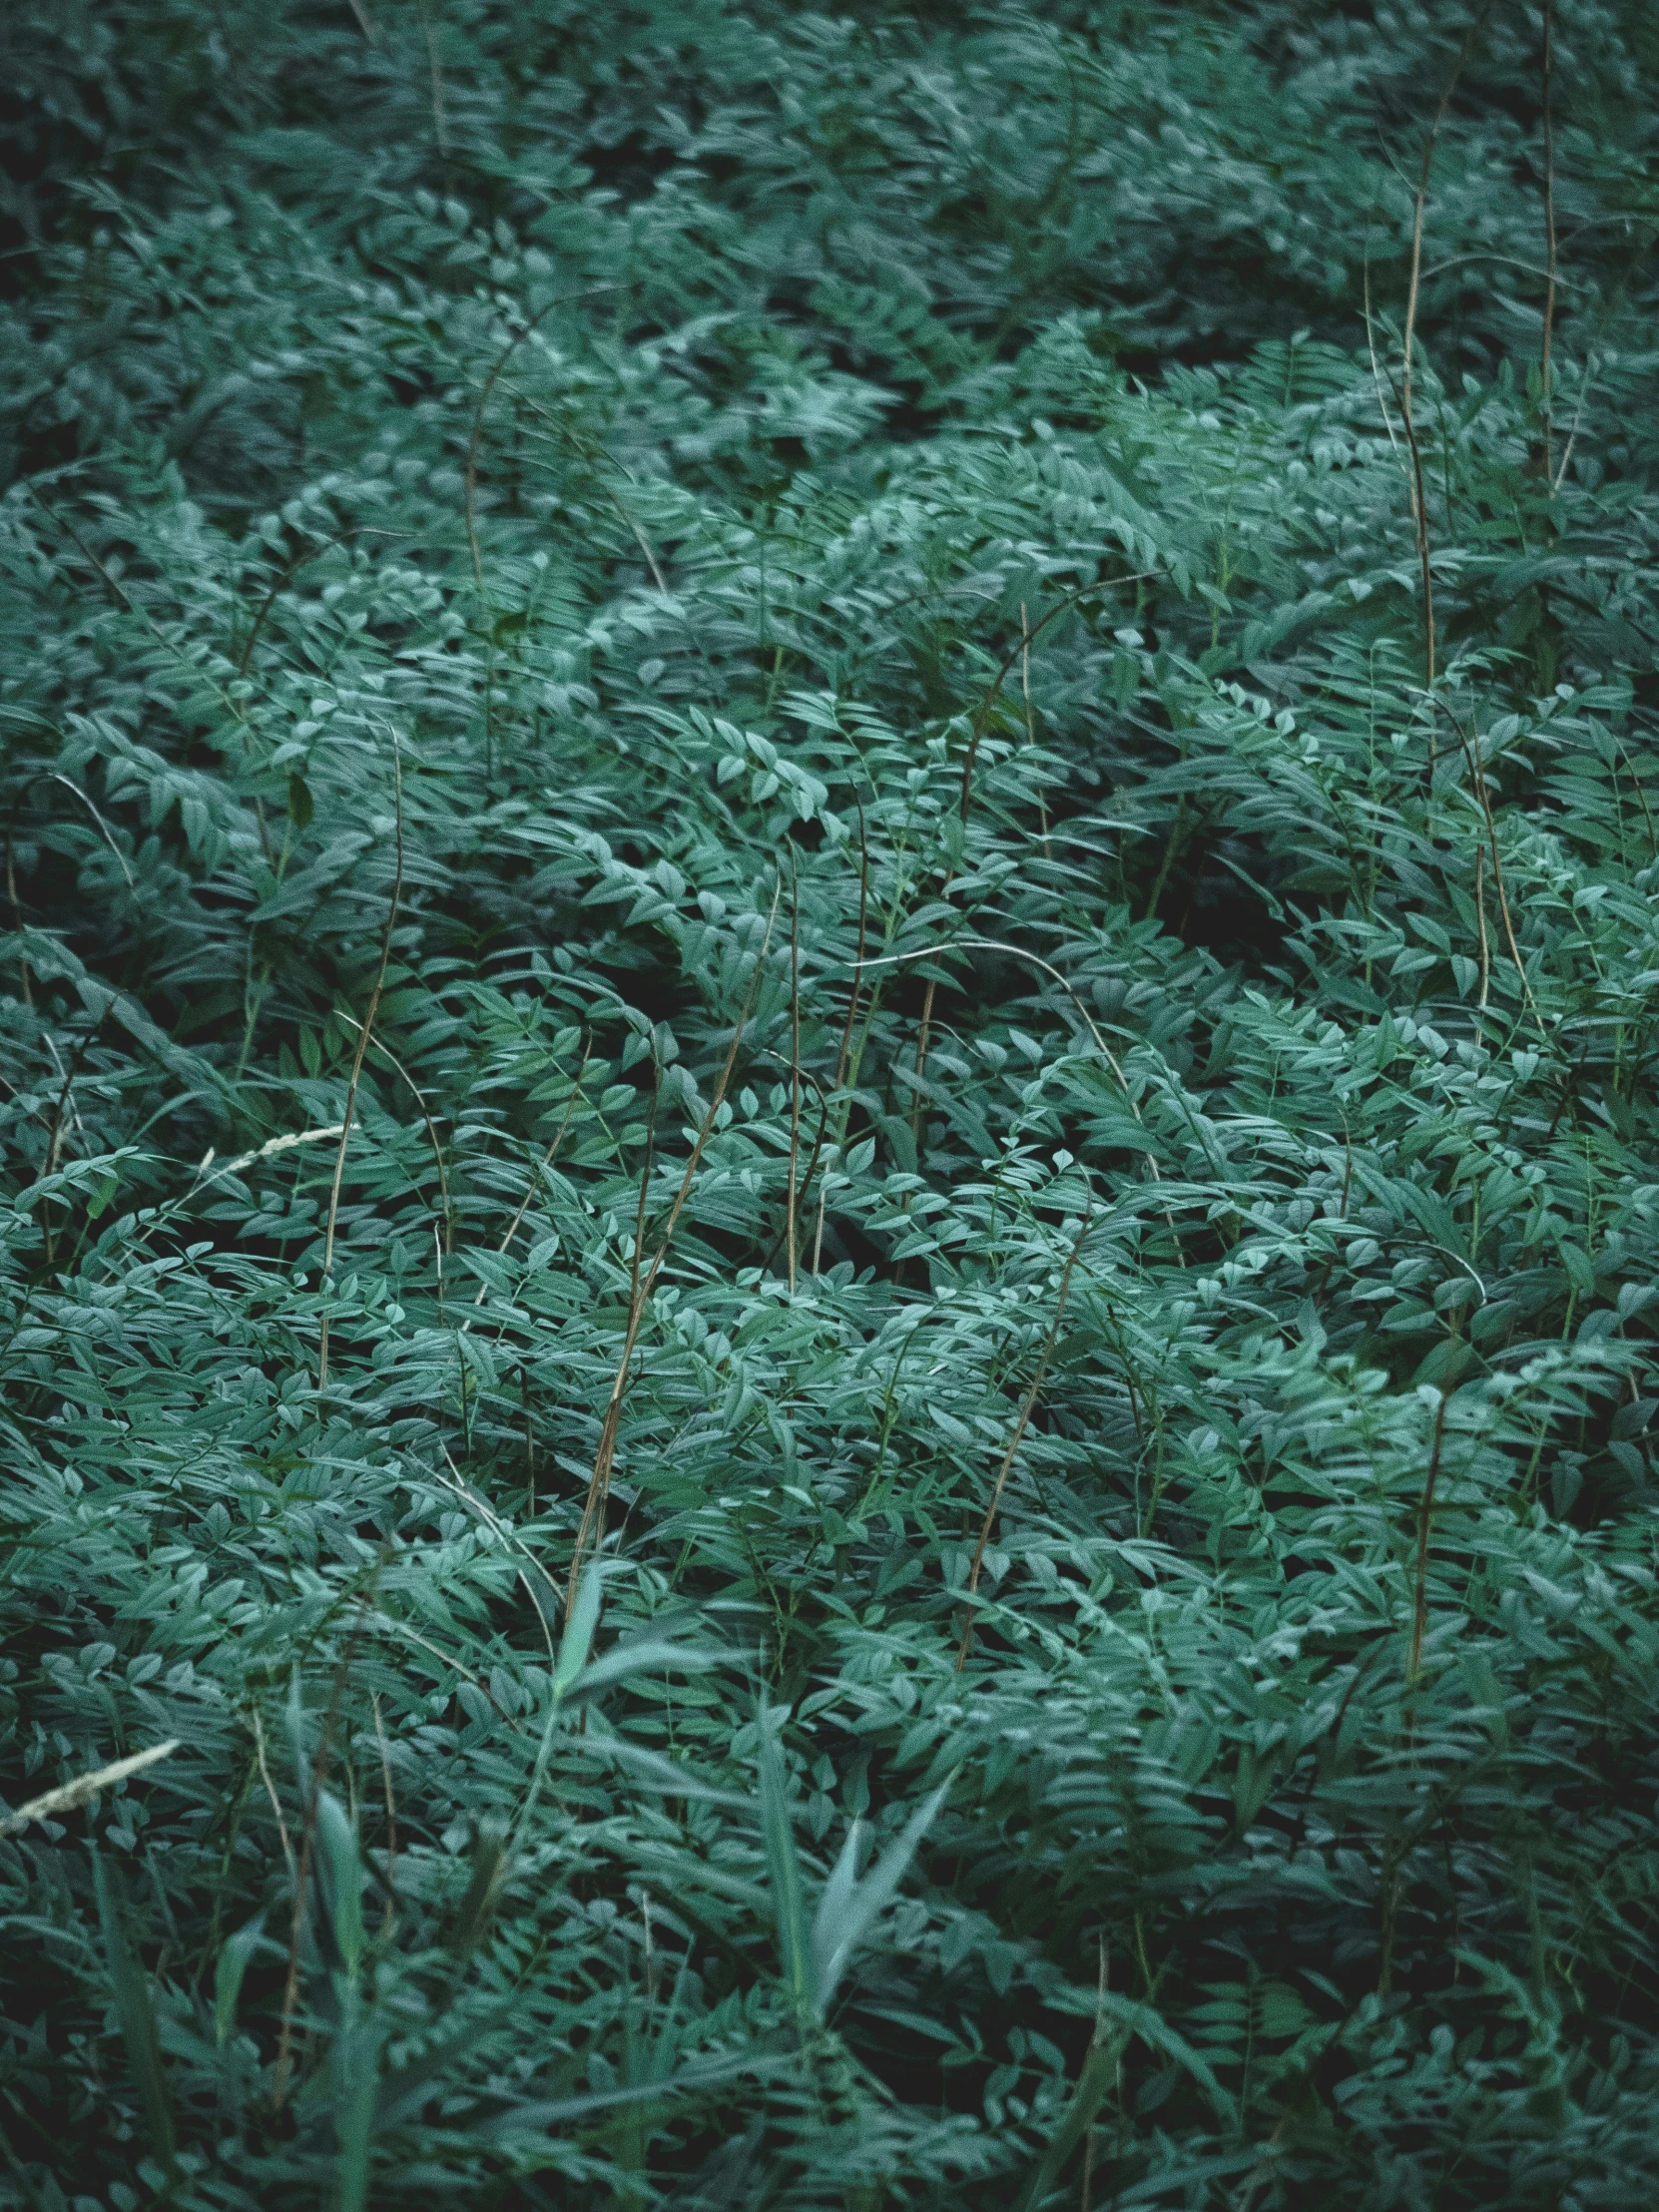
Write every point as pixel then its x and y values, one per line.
pixel 830 1204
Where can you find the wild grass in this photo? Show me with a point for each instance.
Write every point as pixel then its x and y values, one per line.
pixel 829 1224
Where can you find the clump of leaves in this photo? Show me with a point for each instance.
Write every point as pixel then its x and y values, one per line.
pixel 830 1222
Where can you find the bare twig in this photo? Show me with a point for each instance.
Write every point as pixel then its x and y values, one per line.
pixel 1028 1404
pixel 390 1853
pixel 109 839
pixel 923 1035
pixel 384 1049
pixel 852 1011
pixel 490 382
pixel 1419 506
pixel 1480 917
pixel 559 300
pixel 270 1792
pixel 440 124
pixel 510 1536
pixel 54 1149
pixel 1478 779
pixel 547 1159
pixel 1030 718
pixel 1549 236
pixel 1425 1516
pixel 591 1531
pixel 308 1838
pixel 289 572
pixel 1018 952
pixel 364 1035
pixel 1028 635
pixel 807 1076
pixel 637 1259
pixel 1376 365
pixel 17 915
pixel 795 1061
pixel 1590 365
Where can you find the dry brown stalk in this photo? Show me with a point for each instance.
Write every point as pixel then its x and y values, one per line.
pixel 1549 235
pixel 390 1853
pixel 591 1531
pixel 1425 1516
pixel 74 791
pixel 1027 1405
pixel 922 1036
pixel 387 1053
pixel 17 916
pixel 289 570
pixel 1480 917
pixel 547 1159
pixel 270 1792
pixel 1420 507
pixel 1030 718
pixel 1478 779
pixel 795 1062
pixel 440 127
pixel 1376 365
pixel 1018 952
pixel 308 1844
pixel 564 300
pixel 364 1034
pixel 1028 636
pixel 490 382
pixel 852 1011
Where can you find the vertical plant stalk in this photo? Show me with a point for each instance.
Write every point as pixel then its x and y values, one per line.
pixel 810 1168
pixel 794 1063
pixel 291 568
pixel 529 1440
pixel 1028 637
pixel 851 1014
pixel 636 1258
pixel 17 917
pixel 591 1531
pixel 1376 365
pixel 1420 505
pixel 391 1810
pixel 440 127
pixel 387 1053
pixel 1477 780
pixel 923 1038
pixel 364 1034
pixel 63 1112
pixel 1027 1405
pixel 308 1844
pixel 1585 383
pixel 470 492
pixel 546 1161
pixel 1025 671
pixel 1030 718
pixel 270 1792
pixel 1544 364
pixel 1425 1518
pixel 1480 919
pixel 981 716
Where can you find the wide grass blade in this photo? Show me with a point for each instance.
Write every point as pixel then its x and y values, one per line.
pixel 136 2014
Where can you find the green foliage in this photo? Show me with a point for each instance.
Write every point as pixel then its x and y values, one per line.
pixel 738 888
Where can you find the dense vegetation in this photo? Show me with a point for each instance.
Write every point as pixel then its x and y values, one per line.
pixel 830 1200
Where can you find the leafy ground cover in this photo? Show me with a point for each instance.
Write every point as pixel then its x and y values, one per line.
pixel 831 1202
